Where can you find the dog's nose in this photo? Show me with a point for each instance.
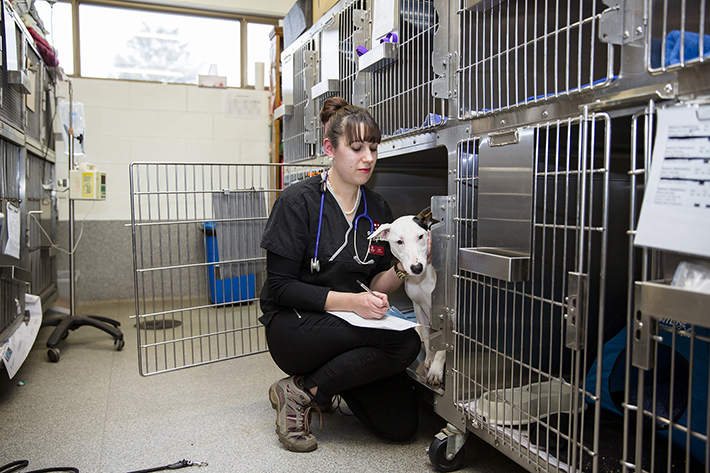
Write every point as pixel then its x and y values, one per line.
pixel 416 268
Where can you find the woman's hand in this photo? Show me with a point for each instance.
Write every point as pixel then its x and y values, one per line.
pixel 368 306
pixel 364 304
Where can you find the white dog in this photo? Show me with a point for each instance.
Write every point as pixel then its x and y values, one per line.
pixel 408 237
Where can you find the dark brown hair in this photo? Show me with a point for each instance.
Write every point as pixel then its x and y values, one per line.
pixel 342 120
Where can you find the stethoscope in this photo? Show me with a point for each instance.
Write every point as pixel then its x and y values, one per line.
pixel 315 262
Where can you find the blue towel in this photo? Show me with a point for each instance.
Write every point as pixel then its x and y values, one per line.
pixel 691 50
pixel 431 119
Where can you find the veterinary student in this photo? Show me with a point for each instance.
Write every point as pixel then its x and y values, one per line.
pixel 317 250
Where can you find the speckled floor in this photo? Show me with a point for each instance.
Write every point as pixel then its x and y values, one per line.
pixel 93 411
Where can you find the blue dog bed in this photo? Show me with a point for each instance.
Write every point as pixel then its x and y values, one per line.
pixel 613 380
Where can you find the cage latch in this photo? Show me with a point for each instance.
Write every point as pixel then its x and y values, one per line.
pixel 576 315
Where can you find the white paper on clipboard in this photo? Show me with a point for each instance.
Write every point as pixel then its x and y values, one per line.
pixel 388 322
pixel 12 220
pixel 10 39
pixel 675 214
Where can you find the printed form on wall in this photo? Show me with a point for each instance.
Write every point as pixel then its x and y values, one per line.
pixel 675 215
pixel 239 104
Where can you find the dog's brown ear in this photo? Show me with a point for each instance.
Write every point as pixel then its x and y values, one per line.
pixel 425 219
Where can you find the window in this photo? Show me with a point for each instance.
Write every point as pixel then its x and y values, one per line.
pixel 258 46
pixel 57 21
pixel 139 45
pixel 158 43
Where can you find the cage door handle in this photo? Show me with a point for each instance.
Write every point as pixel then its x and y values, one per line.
pixel 576 314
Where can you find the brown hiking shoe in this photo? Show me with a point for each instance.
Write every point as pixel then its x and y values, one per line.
pixel 294 407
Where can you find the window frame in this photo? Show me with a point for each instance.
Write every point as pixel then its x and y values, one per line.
pixel 243 19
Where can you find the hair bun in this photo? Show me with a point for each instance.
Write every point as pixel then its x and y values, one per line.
pixel 330 107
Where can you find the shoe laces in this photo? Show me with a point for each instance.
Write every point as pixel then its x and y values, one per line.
pixel 308 413
pixel 304 412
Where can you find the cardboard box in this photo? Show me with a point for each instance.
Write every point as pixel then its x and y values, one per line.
pixel 212 81
pixel 321 7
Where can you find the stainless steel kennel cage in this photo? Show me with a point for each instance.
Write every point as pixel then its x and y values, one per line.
pixel 27 173
pixel 567 347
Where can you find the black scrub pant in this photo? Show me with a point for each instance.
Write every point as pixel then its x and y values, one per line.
pixel 367 367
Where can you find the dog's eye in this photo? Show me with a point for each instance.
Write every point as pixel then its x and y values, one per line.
pixel 400 242
pixel 421 236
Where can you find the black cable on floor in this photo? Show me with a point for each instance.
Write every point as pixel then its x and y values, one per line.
pixel 20 464
pixel 172 466
pixel 14 466
pixel 69 469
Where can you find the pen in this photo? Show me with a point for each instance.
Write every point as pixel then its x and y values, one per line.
pixel 369 290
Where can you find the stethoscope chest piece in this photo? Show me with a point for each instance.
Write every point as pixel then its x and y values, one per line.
pixel 315 265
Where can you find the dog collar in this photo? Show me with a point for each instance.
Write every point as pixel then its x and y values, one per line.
pixel 401 274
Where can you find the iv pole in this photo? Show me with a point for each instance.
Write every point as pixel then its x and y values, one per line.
pixel 71 321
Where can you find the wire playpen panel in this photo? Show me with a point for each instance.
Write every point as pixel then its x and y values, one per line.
pixel 198 264
pixel 518 52
pixel 401 98
pixel 514 376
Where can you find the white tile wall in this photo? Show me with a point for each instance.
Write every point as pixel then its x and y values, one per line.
pixel 134 121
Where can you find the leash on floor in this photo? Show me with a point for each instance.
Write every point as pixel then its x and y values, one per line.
pixel 20 464
pixel 172 466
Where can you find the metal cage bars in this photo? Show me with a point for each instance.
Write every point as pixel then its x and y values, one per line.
pixel 677 34
pixel 526 51
pixel 659 416
pixel 401 92
pixel 507 54
pixel 398 95
pixel 512 338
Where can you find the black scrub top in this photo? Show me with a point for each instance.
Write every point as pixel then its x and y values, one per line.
pixel 291 233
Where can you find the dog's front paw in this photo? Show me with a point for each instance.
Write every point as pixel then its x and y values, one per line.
pixel 428 360
pixel 435 373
